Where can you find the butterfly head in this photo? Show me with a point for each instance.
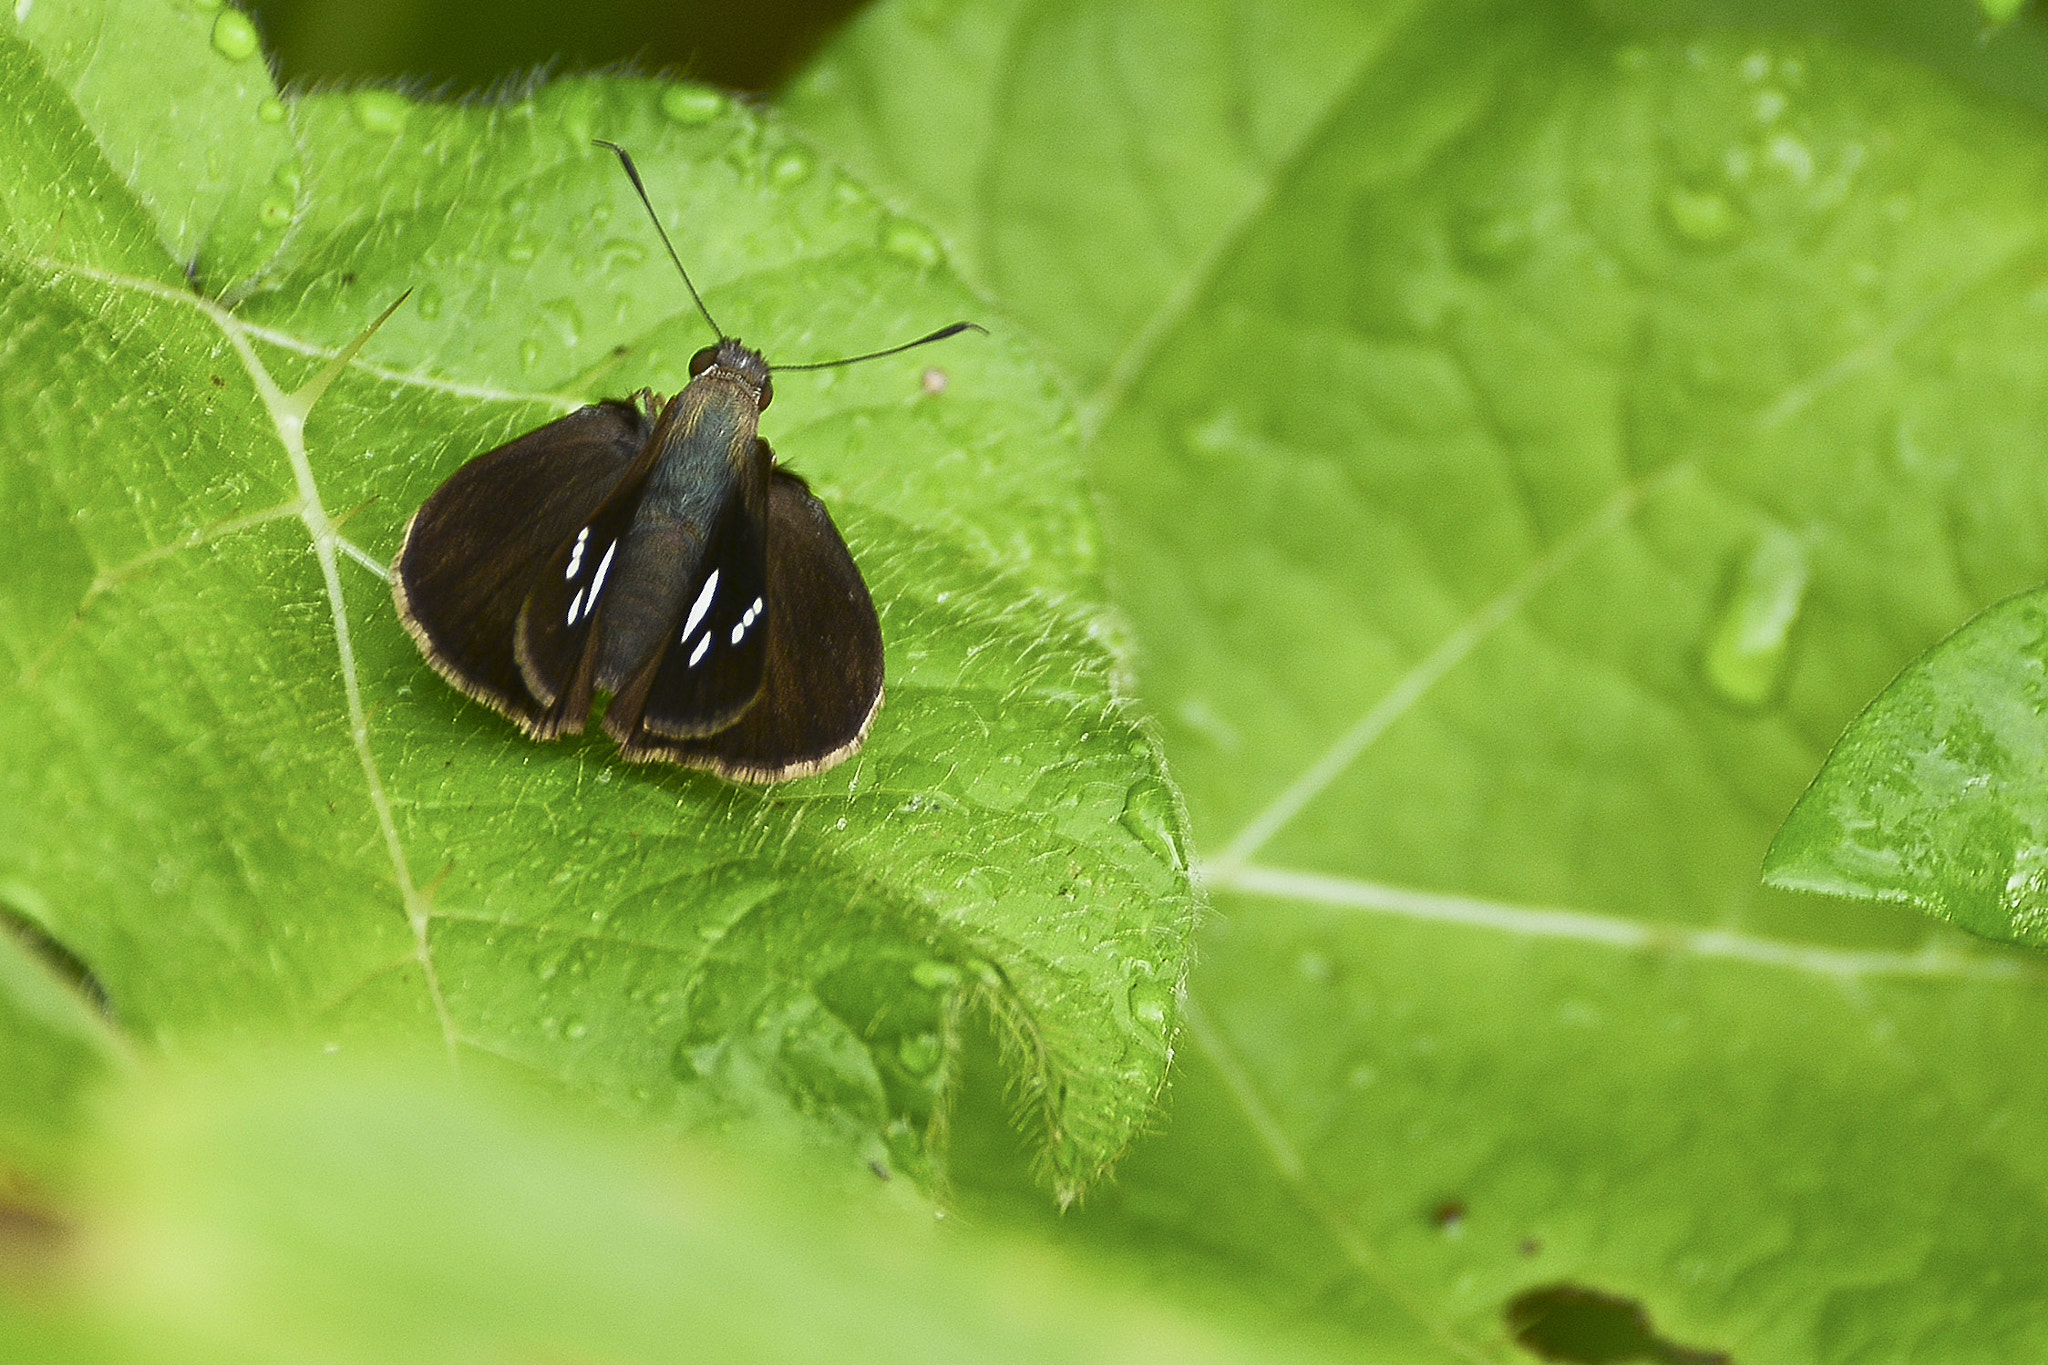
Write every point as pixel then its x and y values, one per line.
pixel 730 357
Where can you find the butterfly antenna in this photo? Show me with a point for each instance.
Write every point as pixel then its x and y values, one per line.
pixel 955 330
pixel 633 174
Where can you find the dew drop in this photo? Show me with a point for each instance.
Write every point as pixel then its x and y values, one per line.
pixel 692 105
pixel 380 111
pixel 1149 817
pixel 920 1053
pixel 622 253
pixel 574 1028
pixel 275 212
pixel 850 193
pixel 1152 1004
pixel 913 242
pixel 1794 156
pixel 529 355
pixel 271 110
pixel 791 167
pixel 567 318
pixel 519 252
pixel 428 301
pixel 1745 657
pixel 934 975
pixel 288 178
pixel 1701 217
pixel 234 37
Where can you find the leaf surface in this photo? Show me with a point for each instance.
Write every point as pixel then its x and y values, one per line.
pixel 1933 797
pixel 244 802
pixel 1515 485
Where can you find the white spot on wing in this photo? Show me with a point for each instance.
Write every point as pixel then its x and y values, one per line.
pixel 739 631
pixel 575 605
pixel 603 566
pixel 697 610
pixel 698 653
pixel 576 557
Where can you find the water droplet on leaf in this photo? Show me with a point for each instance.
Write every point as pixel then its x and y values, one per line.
pixel 920 1053
pixel 428 301
pixel 791 166
pixel 1701 217
pixel 1149 817
pixel 913 242
pixel 271 110
pixel 379 111
pixel 692 105
pixel 1746 655
pixel 234 37
pixel 934 975
pixel 567 318
pixel 1152 1004
pixel 619 253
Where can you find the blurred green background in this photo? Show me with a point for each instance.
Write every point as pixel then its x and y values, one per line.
pixel 462 46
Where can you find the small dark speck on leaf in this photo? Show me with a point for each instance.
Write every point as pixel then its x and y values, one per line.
pixel 218 382
pixel 1449 1216
pixel 1529 1246
pixel 881 1171
pixel 29 1237
pixel 1582 1326
pixel 348 277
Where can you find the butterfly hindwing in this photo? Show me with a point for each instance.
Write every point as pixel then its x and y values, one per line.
pixel 822 683
pixel 470 555
pixel 711 669
pixel 552 634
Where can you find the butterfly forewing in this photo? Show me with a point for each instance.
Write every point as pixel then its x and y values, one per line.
pixel 555 623
pixel 471 554
pixel 823 665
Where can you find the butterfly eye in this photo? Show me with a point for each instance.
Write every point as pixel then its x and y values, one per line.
pixel 703 360
pixel 767 393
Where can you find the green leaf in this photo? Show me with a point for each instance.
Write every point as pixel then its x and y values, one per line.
pixel 54 1050
pixel 1935 795
pixel 247 806
pixel 208 155
pixel 1517 475
pixel 348 1214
